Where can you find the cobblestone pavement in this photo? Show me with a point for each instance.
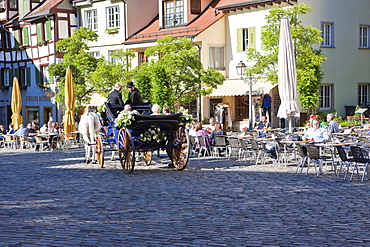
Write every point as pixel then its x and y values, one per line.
pixel 54 199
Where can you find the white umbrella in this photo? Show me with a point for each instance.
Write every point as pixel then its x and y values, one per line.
pixel 287 79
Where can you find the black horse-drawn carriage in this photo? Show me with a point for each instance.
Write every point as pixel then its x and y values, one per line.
pixel 142 136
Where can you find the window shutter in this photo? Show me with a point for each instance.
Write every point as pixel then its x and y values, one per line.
pixel 26 40
pixel 252 37
pixel 28 76
pixel 39 32
pixel 239 39
pixel 37 71
pixel 48 30
pixel 16 37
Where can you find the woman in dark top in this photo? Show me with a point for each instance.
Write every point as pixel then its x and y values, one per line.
pixel 217 131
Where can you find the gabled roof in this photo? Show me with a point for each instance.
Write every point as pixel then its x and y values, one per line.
pixel 152 32
pixel 43 9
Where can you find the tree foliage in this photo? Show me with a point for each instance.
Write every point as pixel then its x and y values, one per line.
pixel 108 73
pixel 308 59
pixel 79 60
pixel 176 73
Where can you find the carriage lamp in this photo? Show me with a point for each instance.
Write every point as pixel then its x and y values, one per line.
pixel 240 69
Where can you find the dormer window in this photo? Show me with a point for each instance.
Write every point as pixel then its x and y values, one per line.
pixel 174 13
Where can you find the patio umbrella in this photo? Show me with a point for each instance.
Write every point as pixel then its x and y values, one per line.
pixel 69 94
pixel 287 79
pixel 16 106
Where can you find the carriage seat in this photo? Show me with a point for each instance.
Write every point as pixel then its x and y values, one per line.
pixel 144 109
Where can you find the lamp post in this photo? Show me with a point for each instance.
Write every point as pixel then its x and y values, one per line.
pixel 240 68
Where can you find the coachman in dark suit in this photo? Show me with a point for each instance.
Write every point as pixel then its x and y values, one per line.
pixel 134 96
pixel 115 99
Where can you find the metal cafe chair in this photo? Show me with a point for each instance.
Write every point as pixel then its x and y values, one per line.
pixel 302 156
pixel 220 145
pixel 315 157
pixel 344 160
pixel 360 160
pixel 204 148
pixel 234 147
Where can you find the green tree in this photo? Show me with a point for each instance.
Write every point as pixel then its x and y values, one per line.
pixel 308 59
pixel 176 72
pixel 79 60
pixel 108 73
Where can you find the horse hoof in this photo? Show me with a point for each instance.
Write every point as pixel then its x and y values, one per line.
pixel 112 159
pixel 95 162
pixel 87 161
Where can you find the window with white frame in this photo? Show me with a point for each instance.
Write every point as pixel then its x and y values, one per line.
pixel 111 59
pixel 91 19
pixel 174 13
pixel 95 54
pixel 113 17
pixel 5 77
pixel 216 58
pixel 327 33
pixel 22 76
pixel 44 75
pixel 326 96
pixel 363 94
pixel 364 37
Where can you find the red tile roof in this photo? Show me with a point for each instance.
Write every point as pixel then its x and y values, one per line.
pixel 233 4
pixel 152 32
pixel 43 9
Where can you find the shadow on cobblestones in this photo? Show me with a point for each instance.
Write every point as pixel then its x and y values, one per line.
pixel 54 199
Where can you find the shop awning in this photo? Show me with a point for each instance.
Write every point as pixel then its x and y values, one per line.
pixel 239 88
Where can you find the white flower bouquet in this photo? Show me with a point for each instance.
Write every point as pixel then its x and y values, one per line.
pixel 154 133
pixel 124 118
pixel 185 117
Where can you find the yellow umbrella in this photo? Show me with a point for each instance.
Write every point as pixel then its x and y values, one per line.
pixel 17 118
pixel 69 94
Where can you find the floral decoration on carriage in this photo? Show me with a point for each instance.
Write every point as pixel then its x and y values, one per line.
pixel 153 134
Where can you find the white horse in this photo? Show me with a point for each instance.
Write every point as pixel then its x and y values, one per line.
pixel 89 128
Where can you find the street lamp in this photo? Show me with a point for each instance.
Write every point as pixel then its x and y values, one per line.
pixel 240 68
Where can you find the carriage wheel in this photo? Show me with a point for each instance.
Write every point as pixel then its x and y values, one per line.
pixel 126 150
pixel 180 149
pixel 148 154
pixel 99 150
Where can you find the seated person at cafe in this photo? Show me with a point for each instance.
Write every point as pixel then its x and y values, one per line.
pixel 44 129
pixel 31 133
pixel 218 131
pixel 2 132
pixel 23 131
pixel 202 132
pixel 333 125
pixel 212 125
pixel 263 124
pixel 316 133
pixel 11 129
pixel 2 129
